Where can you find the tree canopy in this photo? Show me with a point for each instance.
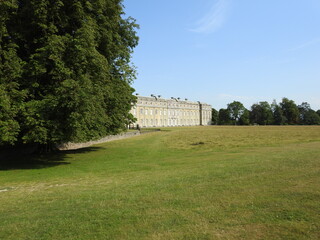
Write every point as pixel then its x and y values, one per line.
pixel 224 117
pixel 261 113
pixel 65 70
pixel 307 116
pixel 214 116
pixel 236 110
pixel 290 111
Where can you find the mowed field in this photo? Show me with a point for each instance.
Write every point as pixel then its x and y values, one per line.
pixel 210 182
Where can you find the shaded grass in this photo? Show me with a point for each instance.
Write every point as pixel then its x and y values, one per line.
pixel 241 183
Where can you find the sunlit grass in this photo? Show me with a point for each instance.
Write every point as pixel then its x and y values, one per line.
pixel 180 183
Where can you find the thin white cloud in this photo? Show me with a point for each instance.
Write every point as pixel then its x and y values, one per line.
pixel 214 19
pixel 305 45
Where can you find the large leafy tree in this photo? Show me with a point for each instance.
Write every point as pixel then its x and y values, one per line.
pixel 278 117
pixel 10 75
pixel 290 111
pixel 224 117
pixel 245 118
pixel 71 70
pixel 214 116
pixel 312 118
pixel 261 113
pixel 236 110
pixel 307 116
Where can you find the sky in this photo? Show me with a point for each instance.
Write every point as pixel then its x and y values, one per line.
pixel 220 51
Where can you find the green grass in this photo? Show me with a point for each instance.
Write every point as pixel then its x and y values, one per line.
pixel 179 183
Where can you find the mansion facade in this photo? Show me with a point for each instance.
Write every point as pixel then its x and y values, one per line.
pixel 155 111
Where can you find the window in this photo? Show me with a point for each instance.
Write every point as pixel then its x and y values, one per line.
pixel 146 111
pixel 141 111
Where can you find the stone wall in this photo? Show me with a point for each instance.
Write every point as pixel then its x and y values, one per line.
pixel 73 146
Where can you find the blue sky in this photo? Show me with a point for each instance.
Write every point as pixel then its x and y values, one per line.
pixel 218 51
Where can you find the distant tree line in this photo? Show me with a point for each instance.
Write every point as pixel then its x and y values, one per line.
pixel 284 113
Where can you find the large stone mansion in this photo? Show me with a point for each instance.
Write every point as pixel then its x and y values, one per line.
pixel 155 111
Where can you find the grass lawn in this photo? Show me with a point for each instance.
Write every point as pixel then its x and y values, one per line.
pixel 178 183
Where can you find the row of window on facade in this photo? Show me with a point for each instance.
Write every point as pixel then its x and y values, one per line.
pixel 169 122
pixel 169 104
pixel 173 113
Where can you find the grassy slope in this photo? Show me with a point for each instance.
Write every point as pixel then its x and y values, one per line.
pixel 180 183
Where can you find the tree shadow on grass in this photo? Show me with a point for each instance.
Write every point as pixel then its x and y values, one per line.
pixel 18 159
pixel 149 130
